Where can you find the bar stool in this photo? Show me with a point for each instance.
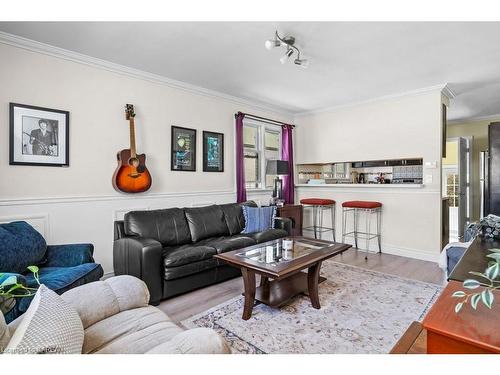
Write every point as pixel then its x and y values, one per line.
pixel 362 207
pixel 319 205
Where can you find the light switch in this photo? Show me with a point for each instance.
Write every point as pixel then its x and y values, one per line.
pixel 431 164
pixel 428 179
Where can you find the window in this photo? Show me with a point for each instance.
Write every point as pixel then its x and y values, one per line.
pixel 261 142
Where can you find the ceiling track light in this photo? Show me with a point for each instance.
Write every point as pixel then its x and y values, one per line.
pixel 289 43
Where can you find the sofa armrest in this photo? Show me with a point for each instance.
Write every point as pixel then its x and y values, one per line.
pixel 283 223
pixel 99 300
pixel 69 255
pixel 142 258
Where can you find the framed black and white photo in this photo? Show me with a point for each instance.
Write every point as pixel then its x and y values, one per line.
pixel 213 152
pixel 183 149
pixel 38 136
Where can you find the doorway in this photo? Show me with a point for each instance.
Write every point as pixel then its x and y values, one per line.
pixel 456 168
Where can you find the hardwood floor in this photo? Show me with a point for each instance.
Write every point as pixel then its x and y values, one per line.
pixel 184 306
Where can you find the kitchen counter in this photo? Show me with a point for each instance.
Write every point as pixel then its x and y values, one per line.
pixel 377 186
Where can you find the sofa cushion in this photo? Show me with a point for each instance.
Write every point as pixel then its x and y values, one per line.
pixel 172 273
pixel 51 325
pixel 168 226
pixel 59 279
pixel 233 214
pixel 454 255
pixel 258 219
pixel 20 246
pixel 205 222
pixel 134 331
pixel 185 254
pixel 268 235
pixel 194 341
pixel 225 244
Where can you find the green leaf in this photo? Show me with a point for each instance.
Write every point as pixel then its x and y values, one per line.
pixel 494 250
pixel 487 297
pixel 458 293
pixel 475 300
pixel 458 307
pixel 493 271
pixel 471 284
pixel 33 269
pixel 9 281
pixel 495 256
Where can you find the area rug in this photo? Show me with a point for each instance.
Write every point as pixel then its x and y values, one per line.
pixel 362 311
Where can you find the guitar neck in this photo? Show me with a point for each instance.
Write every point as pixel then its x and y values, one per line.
pixel 133 152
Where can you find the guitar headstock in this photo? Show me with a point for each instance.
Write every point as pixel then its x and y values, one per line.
pixel 129 111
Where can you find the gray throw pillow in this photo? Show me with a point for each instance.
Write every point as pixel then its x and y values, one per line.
pixel 50 325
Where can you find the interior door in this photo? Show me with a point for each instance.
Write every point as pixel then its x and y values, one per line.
pixel 462 185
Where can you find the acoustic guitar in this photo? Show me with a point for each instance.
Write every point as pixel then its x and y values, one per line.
pixel 131 175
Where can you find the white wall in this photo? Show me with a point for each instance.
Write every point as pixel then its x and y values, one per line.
pixel 79 203
pixel 403 127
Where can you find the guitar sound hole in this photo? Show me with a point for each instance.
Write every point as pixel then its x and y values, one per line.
pixel 134 162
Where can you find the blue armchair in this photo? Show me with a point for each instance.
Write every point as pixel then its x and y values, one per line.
pixel 62 267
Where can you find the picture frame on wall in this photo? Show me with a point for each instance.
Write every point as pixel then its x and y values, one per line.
pixel 213 152
pixel 38 136
pixel 183 149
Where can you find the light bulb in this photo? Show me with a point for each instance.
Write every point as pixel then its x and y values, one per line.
pixel 286 56
pixel 270 43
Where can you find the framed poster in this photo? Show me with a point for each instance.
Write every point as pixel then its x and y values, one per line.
pixel 213 152
pixel 38 136
pixel 183 149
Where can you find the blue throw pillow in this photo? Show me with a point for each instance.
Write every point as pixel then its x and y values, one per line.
pixel 20 246
pixel 258 219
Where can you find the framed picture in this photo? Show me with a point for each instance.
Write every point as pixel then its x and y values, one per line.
pixel 213 152
pixel 38 136
pixel 183 149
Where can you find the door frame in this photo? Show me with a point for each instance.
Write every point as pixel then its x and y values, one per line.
pixel 470 150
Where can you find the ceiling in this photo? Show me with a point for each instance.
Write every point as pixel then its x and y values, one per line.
pixel 350 61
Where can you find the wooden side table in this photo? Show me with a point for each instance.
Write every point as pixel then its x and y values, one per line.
pixel 468 332
pixel 294 213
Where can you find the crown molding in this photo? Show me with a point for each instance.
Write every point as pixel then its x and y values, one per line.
pixel 440 87
pixel 47 49
pixel 473 119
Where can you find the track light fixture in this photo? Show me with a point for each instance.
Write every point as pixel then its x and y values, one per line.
pixel 289 43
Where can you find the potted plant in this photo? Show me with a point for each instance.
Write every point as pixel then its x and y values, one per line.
pixel 11 288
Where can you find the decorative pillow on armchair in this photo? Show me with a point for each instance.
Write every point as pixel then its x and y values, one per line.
pixel 20 246
pixel 258 219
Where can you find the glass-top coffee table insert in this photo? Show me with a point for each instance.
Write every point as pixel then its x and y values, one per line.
pixel 276 253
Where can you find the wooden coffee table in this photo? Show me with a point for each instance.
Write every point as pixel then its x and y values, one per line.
pixel 281 270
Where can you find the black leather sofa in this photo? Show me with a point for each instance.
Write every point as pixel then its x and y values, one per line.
pixel 172 250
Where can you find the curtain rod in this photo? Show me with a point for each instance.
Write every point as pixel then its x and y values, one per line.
pixel 263 119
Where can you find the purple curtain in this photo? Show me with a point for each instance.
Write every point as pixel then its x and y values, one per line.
pixel 241 191
pixel 287 155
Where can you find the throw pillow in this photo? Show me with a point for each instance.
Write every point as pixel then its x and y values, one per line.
pixel 258 219
pixel 49 326
pixel 20 246
pixel 4 333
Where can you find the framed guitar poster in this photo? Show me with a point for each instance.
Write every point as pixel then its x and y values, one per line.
pixel 213 152
pixel 38 136
pixel 183 149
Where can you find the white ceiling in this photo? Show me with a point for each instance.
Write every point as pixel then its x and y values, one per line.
pixel 350 61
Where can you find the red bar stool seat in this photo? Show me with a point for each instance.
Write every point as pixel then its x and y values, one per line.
pixel 318 206
pixel 361 204
pixel 358 208
pixel 317 201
